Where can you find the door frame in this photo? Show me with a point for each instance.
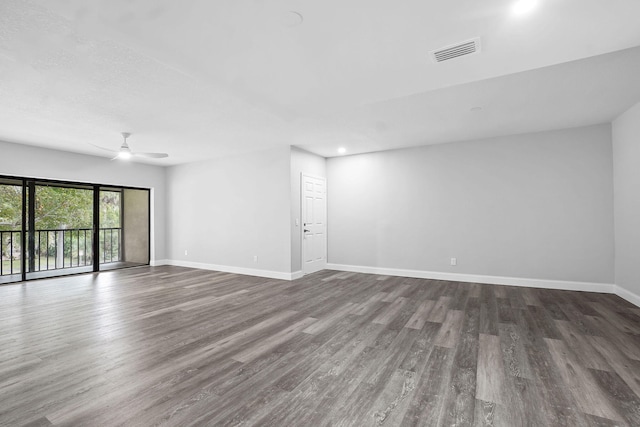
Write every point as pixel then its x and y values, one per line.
pixel 302 210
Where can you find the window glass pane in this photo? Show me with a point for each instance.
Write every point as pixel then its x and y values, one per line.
pixel 110 237
pixel 59 207
pixel 110 205
pixel 10 231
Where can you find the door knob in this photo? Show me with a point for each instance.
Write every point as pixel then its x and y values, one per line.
pixel 307 231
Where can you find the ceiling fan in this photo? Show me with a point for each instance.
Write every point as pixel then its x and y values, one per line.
pixel 125 152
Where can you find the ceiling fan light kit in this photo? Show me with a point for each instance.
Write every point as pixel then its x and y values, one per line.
pixel 125 152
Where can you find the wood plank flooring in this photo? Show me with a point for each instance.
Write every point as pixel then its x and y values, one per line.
pixel 179 347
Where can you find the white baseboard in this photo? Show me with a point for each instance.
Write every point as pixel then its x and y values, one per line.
pixel 628 295
pixel 231 269
pixel 474 278
pixel 421 274
pixel 297 275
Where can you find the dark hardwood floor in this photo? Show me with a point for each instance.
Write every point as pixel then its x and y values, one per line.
pixel 177 346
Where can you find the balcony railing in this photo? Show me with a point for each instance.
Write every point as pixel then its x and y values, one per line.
pixel 10 251
pixel 59 248
pixel 111 243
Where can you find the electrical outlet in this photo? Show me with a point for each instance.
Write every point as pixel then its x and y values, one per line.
pixel 185 252
pixel 255 258
pixel 454 261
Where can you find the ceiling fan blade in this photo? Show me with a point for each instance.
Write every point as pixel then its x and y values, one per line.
pixel 152 155
pixel 105 149
pixel 125 151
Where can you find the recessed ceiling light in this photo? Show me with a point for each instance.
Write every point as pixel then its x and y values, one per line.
pixel 342 150
pixel 520 7
pixel 475 109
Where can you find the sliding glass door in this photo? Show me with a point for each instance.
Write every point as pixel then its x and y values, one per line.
pixel 59 229
pixel 53 228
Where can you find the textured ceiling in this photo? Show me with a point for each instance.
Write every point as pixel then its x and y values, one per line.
pixel 200 79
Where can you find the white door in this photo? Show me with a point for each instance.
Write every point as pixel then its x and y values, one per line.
pixel 314 224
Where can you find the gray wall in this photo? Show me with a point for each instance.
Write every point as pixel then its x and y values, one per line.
pixel 310 164
pixel 28 161
pixel 531 206
pixel 225 211
pixel 626 160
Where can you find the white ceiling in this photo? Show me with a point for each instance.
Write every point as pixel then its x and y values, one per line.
pixel 202 78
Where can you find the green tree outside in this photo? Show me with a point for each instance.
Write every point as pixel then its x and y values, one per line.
pixel 10 207
pixel 58 207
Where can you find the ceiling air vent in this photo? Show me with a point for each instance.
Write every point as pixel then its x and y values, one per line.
pixel 468 47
